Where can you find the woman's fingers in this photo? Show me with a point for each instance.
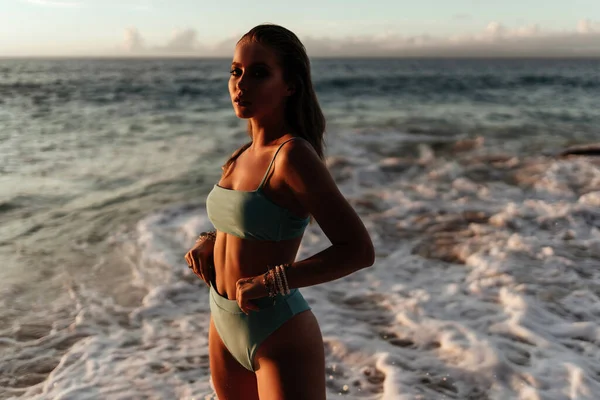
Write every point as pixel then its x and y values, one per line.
pixel 245 305
pixel 205 269
pixel 195 265
pixel 239 299
pixel 199 259
pixel 249 306
pixel 191 260
pixel 211 271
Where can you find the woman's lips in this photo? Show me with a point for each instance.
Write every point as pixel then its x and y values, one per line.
pixel 242 103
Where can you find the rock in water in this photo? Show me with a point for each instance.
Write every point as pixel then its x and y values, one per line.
pixel 592 149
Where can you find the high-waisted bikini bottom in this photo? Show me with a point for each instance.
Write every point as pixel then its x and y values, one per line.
pixel 242 334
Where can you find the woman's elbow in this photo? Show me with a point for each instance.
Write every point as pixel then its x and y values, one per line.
pixel 368 255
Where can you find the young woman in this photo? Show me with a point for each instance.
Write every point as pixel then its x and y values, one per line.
pixel 264 340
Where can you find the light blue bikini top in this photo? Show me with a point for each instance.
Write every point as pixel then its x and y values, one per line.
pixel 251 215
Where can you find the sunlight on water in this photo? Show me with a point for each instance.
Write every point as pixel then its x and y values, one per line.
pixel 488 241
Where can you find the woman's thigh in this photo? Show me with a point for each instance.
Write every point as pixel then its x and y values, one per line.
pixel 231 380
pixel 291 361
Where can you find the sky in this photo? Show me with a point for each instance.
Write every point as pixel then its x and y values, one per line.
pixel 389 28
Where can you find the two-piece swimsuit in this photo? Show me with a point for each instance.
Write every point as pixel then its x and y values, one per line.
pixel 251 215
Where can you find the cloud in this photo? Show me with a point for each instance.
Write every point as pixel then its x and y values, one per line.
pixel 181 42
pixel 586 26
pixel 49 3
pixel 133 41
pixel 494 40
pixel 225 46
pixel 495 30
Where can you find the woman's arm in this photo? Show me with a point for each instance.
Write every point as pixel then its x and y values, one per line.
pixel 201 257
pixel 352 249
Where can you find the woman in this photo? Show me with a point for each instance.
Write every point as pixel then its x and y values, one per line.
pixel 264 340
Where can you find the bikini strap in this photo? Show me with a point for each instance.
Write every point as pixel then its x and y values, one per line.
pixel 272 160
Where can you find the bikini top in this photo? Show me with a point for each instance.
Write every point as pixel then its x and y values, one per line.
pixel 251 215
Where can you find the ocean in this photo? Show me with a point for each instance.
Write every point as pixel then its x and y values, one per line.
pixel 486 283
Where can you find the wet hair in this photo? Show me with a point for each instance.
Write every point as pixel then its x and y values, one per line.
pixel 302 112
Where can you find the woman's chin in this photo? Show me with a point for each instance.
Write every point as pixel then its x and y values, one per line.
pixel 243 113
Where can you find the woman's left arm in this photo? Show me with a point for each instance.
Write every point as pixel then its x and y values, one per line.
pixel 352 249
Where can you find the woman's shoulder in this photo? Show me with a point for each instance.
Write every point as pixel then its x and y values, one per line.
pixel 297 146
pixel 300 157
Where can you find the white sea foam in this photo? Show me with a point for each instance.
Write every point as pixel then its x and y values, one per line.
pixel 486 286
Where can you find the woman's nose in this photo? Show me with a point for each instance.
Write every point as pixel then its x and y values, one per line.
pixel 240 86
pixel 241 83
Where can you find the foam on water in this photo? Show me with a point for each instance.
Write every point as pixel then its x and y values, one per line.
pixel 486 286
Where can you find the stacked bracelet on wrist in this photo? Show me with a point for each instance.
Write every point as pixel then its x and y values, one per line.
pixel 275 280
pixel 212 235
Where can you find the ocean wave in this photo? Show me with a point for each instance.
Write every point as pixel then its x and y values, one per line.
pixel 436 83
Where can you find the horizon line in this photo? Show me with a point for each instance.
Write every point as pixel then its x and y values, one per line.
pixel 341 57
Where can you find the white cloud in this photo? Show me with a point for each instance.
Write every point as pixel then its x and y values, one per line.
pixel 133 40
pixel 495 39
pixel 182 41
pixel 528 31
pixel 586 26
pixel 50 3
pixel 225 46
pixel 495 29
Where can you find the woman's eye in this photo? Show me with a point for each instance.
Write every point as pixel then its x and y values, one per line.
pixel 256 74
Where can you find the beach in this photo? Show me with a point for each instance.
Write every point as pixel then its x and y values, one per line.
pixel 486 283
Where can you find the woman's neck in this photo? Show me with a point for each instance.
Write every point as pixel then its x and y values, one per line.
pixel 264 133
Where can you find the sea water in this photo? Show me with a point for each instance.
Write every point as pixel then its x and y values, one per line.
pixel 486 283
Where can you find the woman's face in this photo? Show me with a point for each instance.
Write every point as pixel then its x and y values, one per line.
pixel 256 84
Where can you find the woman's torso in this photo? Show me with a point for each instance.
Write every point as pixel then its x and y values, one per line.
pixel 237 257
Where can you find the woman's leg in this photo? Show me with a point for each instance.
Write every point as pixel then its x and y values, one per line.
pixel 290 363
pixel 231 380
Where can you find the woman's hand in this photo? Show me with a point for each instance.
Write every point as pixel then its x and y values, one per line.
pixel 247 289
pixel 200 259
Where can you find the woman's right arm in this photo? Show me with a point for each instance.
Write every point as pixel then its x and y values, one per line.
pixel 201 258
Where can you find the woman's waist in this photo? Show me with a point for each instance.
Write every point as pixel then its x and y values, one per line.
pixel 227 275
pixel 231 269
pixel 250 258
pixel 236 258
pixel 262 303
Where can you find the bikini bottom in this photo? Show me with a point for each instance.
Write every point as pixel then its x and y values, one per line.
pixel 242 334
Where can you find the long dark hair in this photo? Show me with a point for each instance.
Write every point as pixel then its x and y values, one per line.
pixel 302 112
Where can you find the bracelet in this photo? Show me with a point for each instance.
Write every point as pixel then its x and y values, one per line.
pixel 212 235
pixel 269 282
pixel 280 288
pixel 283 268
pixel 275 280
